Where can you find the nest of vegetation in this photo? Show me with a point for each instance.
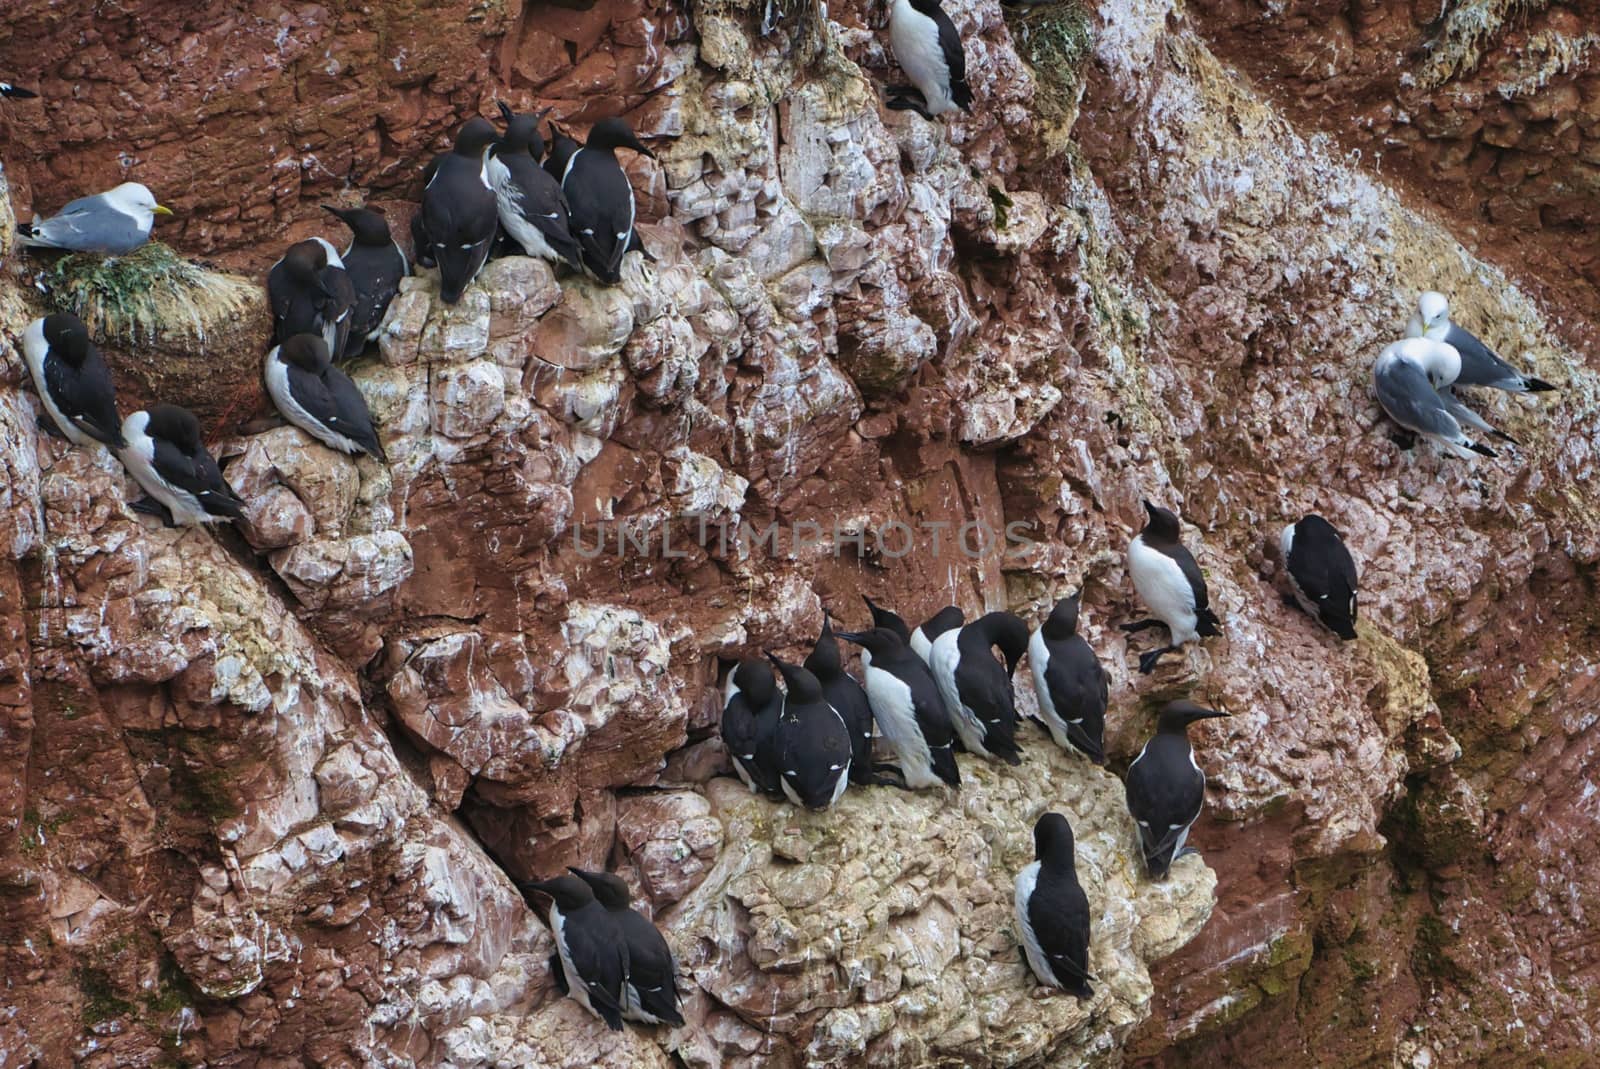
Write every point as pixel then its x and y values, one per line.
pixel 1462 35
pixel 1055 39
pixel 150 295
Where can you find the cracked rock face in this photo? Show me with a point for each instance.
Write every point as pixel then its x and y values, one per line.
pixel 261 788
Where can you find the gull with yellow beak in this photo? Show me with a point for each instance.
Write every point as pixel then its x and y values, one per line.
pixel 114 222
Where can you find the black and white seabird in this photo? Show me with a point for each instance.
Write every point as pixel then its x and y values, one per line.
pixel 1053 912
pixel 650 991
pixel 166 457
pixel 459 212
pixel 1070 682
pixel 114 222
pixel 1412 379
pixel 751 705
pixel 376 264
pixel 1165 787
pixel 908 709
pixel 591 951
pixel 929 50
pixel 601 198
pixel 1322 572
pixel 533 210
pixel 319 398
pixel 74 384
pixel 847 697
pixel 1480 365
pixel 1169 582
pixel 16 92
pixel 562 148
pixel 946 618
pixel 311 293
pixel 976 690
pixel 814 745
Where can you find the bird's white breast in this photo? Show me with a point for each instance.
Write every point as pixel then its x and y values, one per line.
pixel 1027 880
pixel 1164 588
pixel 915 39
pixel 896 714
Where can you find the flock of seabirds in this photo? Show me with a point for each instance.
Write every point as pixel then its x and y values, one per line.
pixel 926 692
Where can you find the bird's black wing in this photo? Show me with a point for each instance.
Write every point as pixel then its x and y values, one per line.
pixel 375 274
pixel 985 689
pixel 1079 689
pixel 956 56
pixel 849 700
pixel 200 476
pixel 601 199
pixel 814 750
pixel 933 719
pixel 545 206
pixel 87 397
pixel 651 970
pixel 1165 795
pixel 351 415
pixel 1059 915
pixel 599 954
pixel 460 215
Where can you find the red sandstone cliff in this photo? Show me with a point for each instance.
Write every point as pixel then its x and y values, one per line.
pixel 250 786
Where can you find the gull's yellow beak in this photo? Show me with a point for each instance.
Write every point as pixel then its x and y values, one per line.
pixel 161 209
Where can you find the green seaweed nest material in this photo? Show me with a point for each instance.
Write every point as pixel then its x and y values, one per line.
pixel 144 294
pixel 1055 39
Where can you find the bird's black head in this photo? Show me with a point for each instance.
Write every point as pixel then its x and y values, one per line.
pixel 1063 619
pixel 1162 525
pixel 569 892
pixel 522 131
pixel 825 662
pixel 560 140
pixel 1177 716
pixel 174 424
pixel 882 617
pixel 610 890
pixel 309 352
pixel 1052 840
pixel 946 619
pixel 478 134
pixel 305 261
pixel 67 337
pixel 755 682
pixel 367 224
pixel 1008 631
pixel 801 685
pixel 878 641
pixel 614 133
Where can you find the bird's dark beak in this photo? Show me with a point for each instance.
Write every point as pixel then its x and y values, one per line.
pixel 542 886
pixel 1211 714
pixel 638 146
pixel 850 636
pixel 337 213
pixel 505 110
pixel 773 657
pixel 1151 509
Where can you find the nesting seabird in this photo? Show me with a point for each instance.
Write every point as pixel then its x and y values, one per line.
pixel 166 457
pixel 114 222
pixel 929 50
pixel 591 955
pixel 601 198
pixel 944 620
pixel 814 745
pixel 74 384
pixel 1166 789
pixel 319 398
pixel 459 212
pixel 376 264
pixel 1053 912
pixel 310 292
pixel 847 697
pixel 1408 379
pixel 907 708
pixel 1322 572
pixel 1069 681
pixel 650 990
pixel 1480 365
pixel 977 691
pixel 533 210
pixel 751 705
pixel 1170 583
